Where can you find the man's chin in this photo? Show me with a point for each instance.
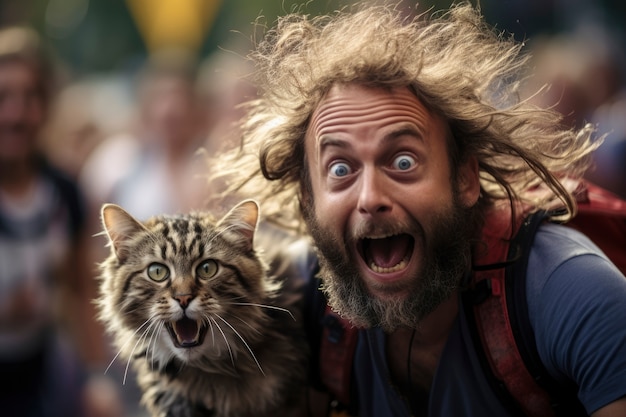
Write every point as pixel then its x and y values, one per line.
pixel 397 298
pixel 387 293
pixel 367 307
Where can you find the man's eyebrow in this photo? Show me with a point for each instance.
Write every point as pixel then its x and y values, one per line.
pixel 404 130
pixel 326 141
pixel 330 141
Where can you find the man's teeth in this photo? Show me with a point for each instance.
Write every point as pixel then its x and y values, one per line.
pixel 386 270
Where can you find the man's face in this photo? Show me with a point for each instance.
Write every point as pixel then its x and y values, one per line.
pixel 390 223
pixel 21 110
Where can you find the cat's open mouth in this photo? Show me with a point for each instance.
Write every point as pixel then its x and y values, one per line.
pixel 186 333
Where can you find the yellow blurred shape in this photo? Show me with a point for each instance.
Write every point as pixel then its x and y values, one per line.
pixel 173 23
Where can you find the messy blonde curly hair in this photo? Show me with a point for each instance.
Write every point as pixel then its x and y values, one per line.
pixel 456 64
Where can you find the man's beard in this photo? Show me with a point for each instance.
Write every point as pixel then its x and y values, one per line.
pixel 446 258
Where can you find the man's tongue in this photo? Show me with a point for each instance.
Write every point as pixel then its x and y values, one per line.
pixel 387 252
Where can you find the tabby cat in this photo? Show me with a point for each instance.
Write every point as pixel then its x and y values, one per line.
pixel 191 305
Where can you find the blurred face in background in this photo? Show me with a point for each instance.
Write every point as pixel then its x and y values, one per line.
pixel 168 110
pixel 21 110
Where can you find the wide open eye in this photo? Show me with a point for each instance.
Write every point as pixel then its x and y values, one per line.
pixel 158 272
pixel 404 162
pixel 206 269
pixel 340 169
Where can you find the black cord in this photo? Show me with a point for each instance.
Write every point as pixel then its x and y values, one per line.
pixel 307 395
pixel 408 370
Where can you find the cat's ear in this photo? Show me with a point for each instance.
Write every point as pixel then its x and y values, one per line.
pixel 241 221
pixel 120 227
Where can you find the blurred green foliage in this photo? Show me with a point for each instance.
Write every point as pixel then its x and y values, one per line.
pixel 101 35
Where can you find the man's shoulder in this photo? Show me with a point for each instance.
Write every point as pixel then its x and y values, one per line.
pixel 576 306
pixel 555 244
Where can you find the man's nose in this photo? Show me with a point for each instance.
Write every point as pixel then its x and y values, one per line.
pixel 373 193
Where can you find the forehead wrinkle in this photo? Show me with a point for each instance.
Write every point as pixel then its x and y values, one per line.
pixel 346 107
pixel 337 113
pixel 403 129
pixel 397 122
pixel 339 110
pixel 398 131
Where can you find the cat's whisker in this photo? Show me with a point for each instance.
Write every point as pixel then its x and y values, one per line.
pixel 130 339
pixel 155 326
pixel 230 351
pixel 156 332
pixel 244 342
pixel 224 230
pixel 147 332
pixel 170 257
pixel 254 329
pixel 266 306
pixel 211 328
pixel 132 352
pixel 102 233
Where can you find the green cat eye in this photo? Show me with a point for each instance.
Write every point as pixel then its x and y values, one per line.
pixel 207 269
pixel 158 272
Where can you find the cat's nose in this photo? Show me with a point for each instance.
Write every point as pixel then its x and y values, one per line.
pixel 183 299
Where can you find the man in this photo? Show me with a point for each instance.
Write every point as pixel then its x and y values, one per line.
pixel 41 224
pixel 397 139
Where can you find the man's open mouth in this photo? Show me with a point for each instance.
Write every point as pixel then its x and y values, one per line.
pixel 387 254
pixel 186 333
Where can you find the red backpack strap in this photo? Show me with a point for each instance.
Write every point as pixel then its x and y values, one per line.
pixel 495 305
pixel 498 318
pixel 602 217
pixel 333 342
pixel 337 348
pixel 486 306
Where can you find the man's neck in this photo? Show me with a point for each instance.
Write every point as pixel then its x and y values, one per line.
pixel 425 343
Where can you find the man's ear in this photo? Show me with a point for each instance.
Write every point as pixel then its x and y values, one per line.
pixel 468 182
pixel 305 200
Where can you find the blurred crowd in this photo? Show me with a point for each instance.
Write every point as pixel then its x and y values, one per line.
pixel 581 75
pixel 64 151
pixel 69 145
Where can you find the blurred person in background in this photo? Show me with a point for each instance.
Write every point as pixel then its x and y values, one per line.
pixel 223 85
pixel 151 168
pixel 46 316
pixel 84 111
pixel 581 74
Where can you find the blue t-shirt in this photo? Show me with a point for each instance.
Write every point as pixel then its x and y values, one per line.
pixel 577 308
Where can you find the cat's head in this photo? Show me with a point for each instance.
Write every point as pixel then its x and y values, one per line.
pixel 186 286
